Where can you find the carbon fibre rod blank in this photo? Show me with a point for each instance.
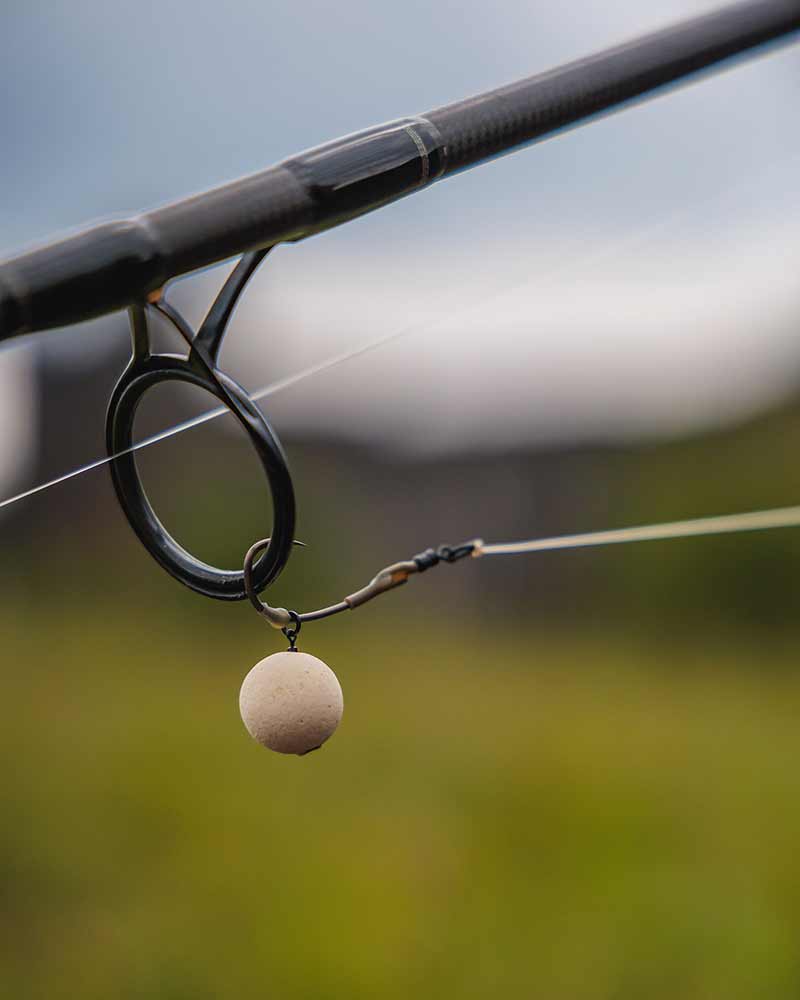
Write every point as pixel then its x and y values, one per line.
pixel 116 264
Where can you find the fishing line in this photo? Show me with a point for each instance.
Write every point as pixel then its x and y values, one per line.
pixel 611 250
pixel 208 415
pixel 725 524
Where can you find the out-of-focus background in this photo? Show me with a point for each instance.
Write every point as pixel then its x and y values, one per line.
pixel 571 775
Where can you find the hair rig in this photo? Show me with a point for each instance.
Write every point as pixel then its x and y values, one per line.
pixel 293 703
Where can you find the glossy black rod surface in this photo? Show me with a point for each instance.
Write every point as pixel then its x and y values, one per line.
pixel 112 265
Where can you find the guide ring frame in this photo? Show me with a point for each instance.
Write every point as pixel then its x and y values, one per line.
pixel 147 369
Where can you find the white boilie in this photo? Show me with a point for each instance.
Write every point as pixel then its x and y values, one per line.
pixel 291 702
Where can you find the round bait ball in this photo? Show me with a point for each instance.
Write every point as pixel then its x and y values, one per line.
pixel 291 702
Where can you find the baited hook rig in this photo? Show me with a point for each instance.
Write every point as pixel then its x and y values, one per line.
pixel 291 701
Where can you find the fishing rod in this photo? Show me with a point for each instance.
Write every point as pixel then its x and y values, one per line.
pixel 293 706
pixel 116 264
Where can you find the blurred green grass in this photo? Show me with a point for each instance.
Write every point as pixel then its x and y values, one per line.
pixel 517 814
